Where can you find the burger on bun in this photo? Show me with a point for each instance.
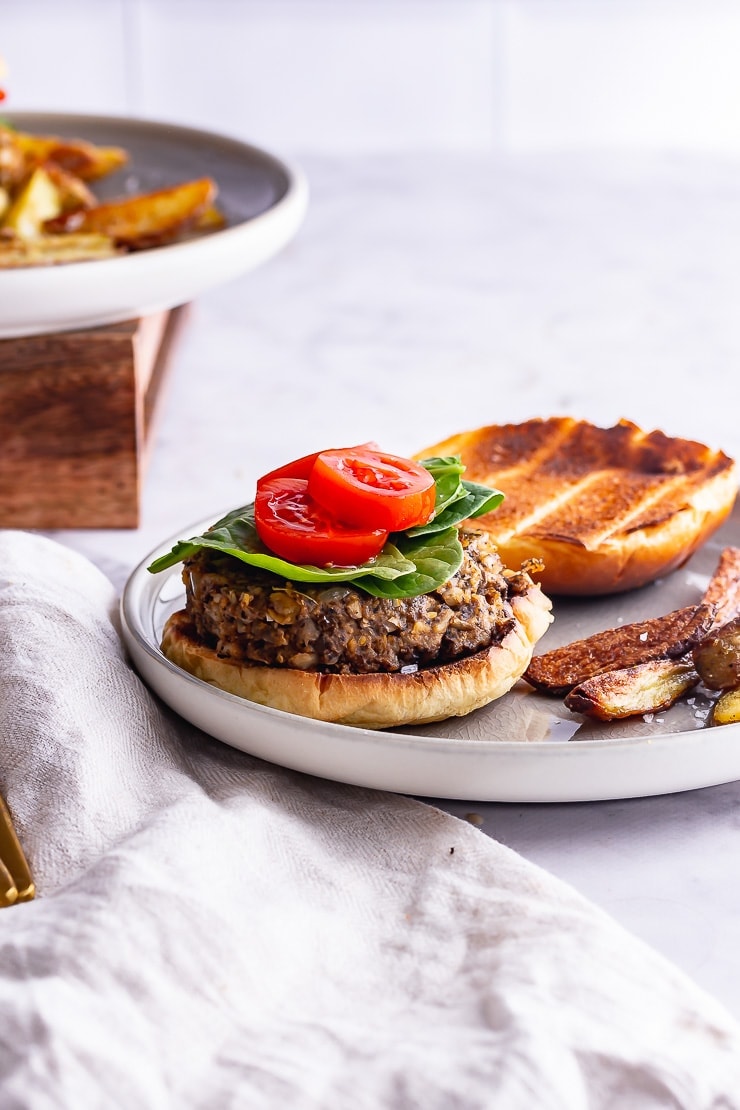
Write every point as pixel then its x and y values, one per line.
pixel 356 589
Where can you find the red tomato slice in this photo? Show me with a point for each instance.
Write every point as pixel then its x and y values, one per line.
pixel 301 468
pixel 366 487
pixel 293 526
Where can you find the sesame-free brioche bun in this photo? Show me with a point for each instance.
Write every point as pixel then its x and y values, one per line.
pixel 372 700
pixel 605 509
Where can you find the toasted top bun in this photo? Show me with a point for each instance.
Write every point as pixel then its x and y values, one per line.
pixel 606 509
pixel 372 700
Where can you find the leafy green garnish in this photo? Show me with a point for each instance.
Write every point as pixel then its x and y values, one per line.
pixel 475 500
pixel 236 535
pixel 447 474
pixel 435 558
pixel 411 563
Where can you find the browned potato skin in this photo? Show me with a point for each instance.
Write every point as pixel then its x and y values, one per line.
pixel 672 635
pixel 83 159
pixel 146 220
pixel 717 657
pixel 723 590
pixel 666 671
pixel 633 691
pixel 73 192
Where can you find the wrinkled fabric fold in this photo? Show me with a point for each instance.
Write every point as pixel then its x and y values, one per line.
pixel 214 931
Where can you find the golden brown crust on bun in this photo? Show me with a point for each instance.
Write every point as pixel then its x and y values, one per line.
pixel 606 509
pixel 372 700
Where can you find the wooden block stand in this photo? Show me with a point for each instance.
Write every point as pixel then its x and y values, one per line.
pixel 76 413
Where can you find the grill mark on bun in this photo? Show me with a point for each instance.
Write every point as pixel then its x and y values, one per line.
pixel 606 509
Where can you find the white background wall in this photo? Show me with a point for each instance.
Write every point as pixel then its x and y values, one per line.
pixel 347 76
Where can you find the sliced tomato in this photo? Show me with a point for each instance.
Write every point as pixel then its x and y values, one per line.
pixel 366 487
pixel 301 468
pixel 292 525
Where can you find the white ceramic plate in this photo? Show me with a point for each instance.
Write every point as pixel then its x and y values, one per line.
pixel 263 199
pixel 522 748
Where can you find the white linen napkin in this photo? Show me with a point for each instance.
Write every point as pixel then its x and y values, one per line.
pixel 212 931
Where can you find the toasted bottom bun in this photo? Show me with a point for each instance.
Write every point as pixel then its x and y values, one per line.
pixel 605 509
pixel 372 700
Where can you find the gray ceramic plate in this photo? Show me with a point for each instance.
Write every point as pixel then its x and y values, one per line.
pixel 522 748
pixel 263 199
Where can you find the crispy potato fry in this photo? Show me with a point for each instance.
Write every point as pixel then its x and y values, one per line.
pixel 83 159
pixel 723 590
pixel 717 657
pixel 633 691
pixel 51 250
pixel 616 691
pixel 45 199
pixel 73 192
pixel 727 708
pixel 146 220
pixel 38 200
pixel 211 220
pixel 557 672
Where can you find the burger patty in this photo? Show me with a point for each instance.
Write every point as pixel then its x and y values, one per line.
pixel 253 616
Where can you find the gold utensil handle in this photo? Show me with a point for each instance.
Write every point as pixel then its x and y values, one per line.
pixel 8 889
pixel 13 859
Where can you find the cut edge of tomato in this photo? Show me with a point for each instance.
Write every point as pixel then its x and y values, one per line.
pixel 298 468
pixel 313 537
pixel 335 484
pixel 302 467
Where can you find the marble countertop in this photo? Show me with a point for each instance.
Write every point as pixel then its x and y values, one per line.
pixel 426 295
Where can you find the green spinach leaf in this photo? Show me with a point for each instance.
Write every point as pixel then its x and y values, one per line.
pixel 436 559
pixel 476 501
pixel 447 474
pixel 236 535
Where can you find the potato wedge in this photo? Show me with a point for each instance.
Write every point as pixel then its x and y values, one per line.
pixel 556 672
pixel 37 201
pixel 146 220
pixel 73 192
pixel 211 220
pixel 642 668
pixel 633 691
pixel 727 708
pixel 77 156
pixel 723 590
pixel 717 657
pixel 44 195
pixel 51 250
